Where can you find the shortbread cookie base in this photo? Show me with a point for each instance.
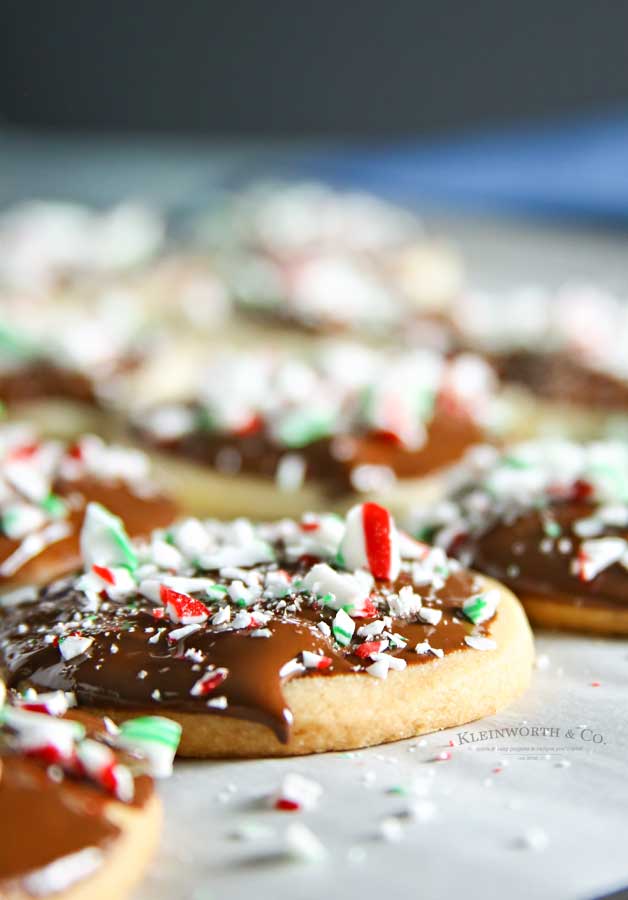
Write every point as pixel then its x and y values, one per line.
pixel 345 712
pixel 202 491
pixel 524 416
pixel 64 419
pixel 567 614
pixel 125 861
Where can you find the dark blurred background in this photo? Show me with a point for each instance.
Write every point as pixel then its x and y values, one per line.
pixel 290 68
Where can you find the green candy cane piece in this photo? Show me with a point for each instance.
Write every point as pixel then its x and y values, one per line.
pixel 613 476
pixel 104 540
pixel 54 506
pixel 156 737
pixel 16 345
pixel 300 429
pixel 475 608
pixel 343 627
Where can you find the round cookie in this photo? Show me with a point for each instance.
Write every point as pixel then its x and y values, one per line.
pixel 277 639
pixel 48 249
pixel 44 489
pixel 560 355
pixel 306 257
pixel 65 366
pixel 270 434
pixel 80 816
pixel 550 520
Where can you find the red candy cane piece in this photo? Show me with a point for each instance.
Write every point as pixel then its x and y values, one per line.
pixel 287 805
pixel 377 537
pixel 182 608
pixel 25 451
pixel 104 573
pixel 367 648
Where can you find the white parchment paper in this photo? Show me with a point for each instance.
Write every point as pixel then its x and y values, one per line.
pixel 512 817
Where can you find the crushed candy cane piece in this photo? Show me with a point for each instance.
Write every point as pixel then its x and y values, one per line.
pixel 178 634
pixel 181 608
pixel 209 681
pixel 315 660
pixel 338 589
pixel 425 647
pixel 343 627
pixel 296 793
pixel 53 703
pixel 371 541
pixel 482 607
pixel 99 763
pixel 479 642
pixel 302 844
pixel 429 615
pixel 155 737
pixel 370 647
pixel 596 555
pixel 104 541
pixel 74 645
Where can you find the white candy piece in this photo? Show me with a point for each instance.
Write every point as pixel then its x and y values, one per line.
pixel 345 589
pixel 425 647
pixel 378 669
pixel 405 604
pixel 222 617
pixel 383 663
pixel 429 615
pixel 178 634
pixel 74 645
pixel 19 519
pixel 479 642
pixel 303 845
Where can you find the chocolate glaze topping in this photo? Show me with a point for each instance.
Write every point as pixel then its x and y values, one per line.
pixel 40 380
pixel 89 471
pixel 348 417
pixel 140 514
pixel 560 377
pixel 330 461
pixel 545 518
pixel 51 817
pixel 70 817
pixel 139 658
pixel 521 555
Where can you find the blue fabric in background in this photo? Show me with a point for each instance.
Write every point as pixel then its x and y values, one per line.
pixel 569 169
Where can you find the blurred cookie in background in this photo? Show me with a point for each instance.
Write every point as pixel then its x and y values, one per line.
pixel 273 433
pixel 305 256
pixel 561 353
pixel 45 487
pixel 48 246
pixel 550 519
pixel 68 366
